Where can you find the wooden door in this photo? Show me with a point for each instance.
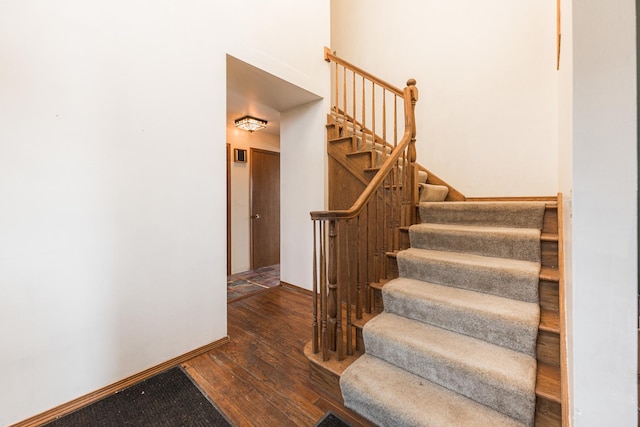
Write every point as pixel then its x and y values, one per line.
pixel 265 208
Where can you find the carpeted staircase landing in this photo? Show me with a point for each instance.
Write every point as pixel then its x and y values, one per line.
pixel 455 345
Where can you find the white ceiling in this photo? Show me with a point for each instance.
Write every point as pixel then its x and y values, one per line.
pixel 251 91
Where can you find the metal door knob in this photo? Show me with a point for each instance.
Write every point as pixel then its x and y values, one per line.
pixel 256 216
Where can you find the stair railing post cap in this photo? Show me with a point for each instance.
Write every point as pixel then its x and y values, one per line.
pixel 411 82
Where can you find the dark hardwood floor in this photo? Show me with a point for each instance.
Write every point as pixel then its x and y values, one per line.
pixel 261 377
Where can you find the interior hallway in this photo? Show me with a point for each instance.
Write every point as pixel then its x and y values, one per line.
pixel 241 285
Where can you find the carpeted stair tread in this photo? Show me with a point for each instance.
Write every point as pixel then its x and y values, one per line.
pixel 508 278
pixel 498 214
pixel 390 396
pixel 497 377
pixel 502 242
pixel 432 193
pixel 502 321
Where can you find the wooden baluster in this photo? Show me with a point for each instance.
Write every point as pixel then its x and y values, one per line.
pixel 386 190
pixel 337 98
pixel 396 204
pixel 390 220
pixel 361 275
pixel 369 255
pixel 403 192
pixel 332 303
pixel 395 121
pixel 373 117
pixel 393 244
pixel 364 118
pixel 376 242
pixel 384 115
pixel 372 251
pixel 380 233
pixel 338 246
pixel 393 208
pixel 344 93
pixel 374 226
pixel 315 293
pixel 354 103
pixel 407 193
pixel 323 294
pixel 399 199
pixel 349 288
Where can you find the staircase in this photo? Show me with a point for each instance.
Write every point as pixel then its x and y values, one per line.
pixel 430 308
pixel 459 325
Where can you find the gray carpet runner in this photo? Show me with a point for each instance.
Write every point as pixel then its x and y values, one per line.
pixel 456 343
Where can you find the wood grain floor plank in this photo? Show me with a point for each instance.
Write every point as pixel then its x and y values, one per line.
pixel 261 377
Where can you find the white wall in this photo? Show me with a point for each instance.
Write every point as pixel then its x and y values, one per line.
pixel 112 130
pixel 604 210
pixel 487 113
pixel 305 28
pixel 240 192
pixel 299 182
pixel 565 169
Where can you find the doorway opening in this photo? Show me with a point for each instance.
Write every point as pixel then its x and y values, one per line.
pixel 254 92
pixel 264 208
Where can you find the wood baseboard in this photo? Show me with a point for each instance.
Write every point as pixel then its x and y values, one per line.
pixel 88 399
pixel 513 199
pixel 295 288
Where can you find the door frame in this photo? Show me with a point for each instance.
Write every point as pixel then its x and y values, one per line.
pixel 228 209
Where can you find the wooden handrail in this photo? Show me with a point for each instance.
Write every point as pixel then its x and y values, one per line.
pixel 329 56
pixel 410 98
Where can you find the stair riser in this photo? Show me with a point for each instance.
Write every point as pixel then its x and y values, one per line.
pixel 405 242
pixel 549 296
pixel 362 159
pixel 550 222
pixel 524 245
pixel 548 413
pixel 494 330
pixel 523 288
pixel 332 131
pixel 549 254
pixel 458 378
pixel 548 348
pixel 392 268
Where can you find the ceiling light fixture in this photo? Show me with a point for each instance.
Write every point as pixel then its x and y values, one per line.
pixel 250 124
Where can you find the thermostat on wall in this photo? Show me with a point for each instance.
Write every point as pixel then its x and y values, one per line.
pixel 239 155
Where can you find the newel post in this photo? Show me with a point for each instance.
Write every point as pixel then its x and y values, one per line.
pixel 410 99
